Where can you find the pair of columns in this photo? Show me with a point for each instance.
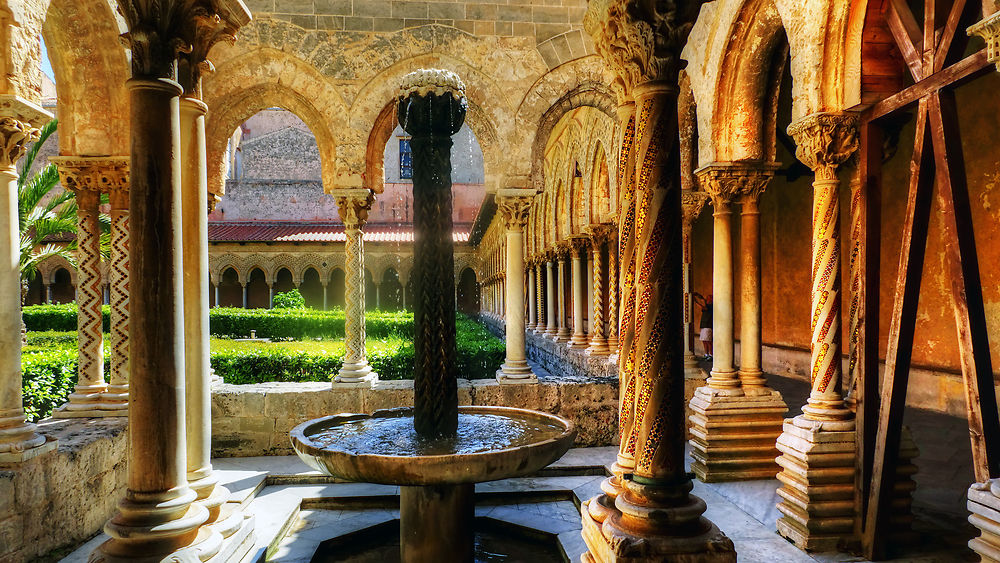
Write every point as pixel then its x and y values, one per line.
pixel 556 327
pixel 174 507
pixel 88 178
pixel 736 416
pixel 353 206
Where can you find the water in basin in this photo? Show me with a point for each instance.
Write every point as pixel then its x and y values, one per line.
pixel 396 436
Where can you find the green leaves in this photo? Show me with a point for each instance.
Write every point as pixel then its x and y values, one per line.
pixel 289 300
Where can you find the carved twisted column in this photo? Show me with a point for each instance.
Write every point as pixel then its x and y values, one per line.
pixel 578 261
pixel 551 326
pixel 159 518
pixel 117 394
pixel 86 177
pixel 563 256
pixel 655 518
pixel 514 205
pixel 598 342
pixel 735 420
pixel 18 439
pixel 353 206
pixel 818 507
pixel 540 294
pixel 613 285
pixel 692 203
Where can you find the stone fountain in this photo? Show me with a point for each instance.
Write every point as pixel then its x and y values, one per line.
pixel 435 451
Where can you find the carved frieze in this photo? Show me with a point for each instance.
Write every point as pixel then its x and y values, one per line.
pixel 824 141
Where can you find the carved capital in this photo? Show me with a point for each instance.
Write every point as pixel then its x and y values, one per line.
pixel 353 206
pixel 641 40
pixel 159 32
pixel 692 203
pixel 989 30
pixel 206 27
pixel 579 246
pixel 15 136
pixel 514 208
pixel 98 174
pixel 824 141
pixel 600 233
pixel 726 181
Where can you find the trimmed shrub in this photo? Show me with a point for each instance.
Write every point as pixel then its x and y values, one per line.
pixel 48 377
pixel 289 300
pixel 44 318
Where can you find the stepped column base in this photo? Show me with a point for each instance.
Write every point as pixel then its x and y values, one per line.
pixel 817 493
pixel 984 505
pixel 733 438
pixel 356 374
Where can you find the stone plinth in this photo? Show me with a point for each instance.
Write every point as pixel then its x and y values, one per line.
pixel 984 504
pixel 818 483
pixel 734 437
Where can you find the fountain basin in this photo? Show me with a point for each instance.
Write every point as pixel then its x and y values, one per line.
pixel 498 443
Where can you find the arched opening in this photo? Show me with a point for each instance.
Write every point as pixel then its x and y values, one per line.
pixel 335 290
pixel 468 292
pixel 258 294
pixel 312 289
pixel 62 287
pixel 230 291
pixel 283 281
pixel 391 291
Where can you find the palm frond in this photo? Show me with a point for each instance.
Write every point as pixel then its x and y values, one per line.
pixel 29 157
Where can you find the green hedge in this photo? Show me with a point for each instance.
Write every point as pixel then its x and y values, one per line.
pixel 49 360
pixel 45 318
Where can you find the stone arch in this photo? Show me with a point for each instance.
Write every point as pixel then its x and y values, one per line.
pixel 226 261
pixel 48 268
pixel 265 78
pixel 488 117
pixel 599 183
pixel 279 262
pixel 596 95
pixel 90 67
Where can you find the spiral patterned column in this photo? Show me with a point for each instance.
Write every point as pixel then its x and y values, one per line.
pixel 598 342
pixel 857 269
pixel 532 311
pixel 819 512
pixel 612 322
pixel 117 394
pixel 353 206
pixel 539 295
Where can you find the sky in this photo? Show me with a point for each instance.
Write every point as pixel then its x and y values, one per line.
pixel 46 65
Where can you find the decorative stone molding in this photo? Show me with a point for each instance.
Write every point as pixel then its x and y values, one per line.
pixel 514 210
pixel 15 136
pixel 105 174
pixel 824 141
pixel 206 28
pixel 692 203
pixel 989 30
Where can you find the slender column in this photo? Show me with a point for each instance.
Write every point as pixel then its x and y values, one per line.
pixel 588 266
pixel 48 293
pixel 514 205
pixel 18 439
pixel 578 340
pixel 245 300
pixel 691 205
pixel 197 383
pixel 532 311
pixel 751 375
pixel 551 326
pixel 819 511
pixel 598 342
pixel 85 178
pixel 613 285
pixel 117 394
pixel 735 421
pixel 540 295
pixel 353 206
pixel 325 299
pixel 563 332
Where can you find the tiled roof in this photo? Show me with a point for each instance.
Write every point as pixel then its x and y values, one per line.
pixel 239 231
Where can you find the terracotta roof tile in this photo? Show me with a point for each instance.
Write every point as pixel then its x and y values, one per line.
pixel 240 231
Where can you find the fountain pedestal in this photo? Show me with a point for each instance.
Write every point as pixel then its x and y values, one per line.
pixel 437 523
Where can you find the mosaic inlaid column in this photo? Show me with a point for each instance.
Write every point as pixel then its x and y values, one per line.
pixel 116 396
pixel 735 421
pixel 588 266
pixel 86 177
pixel 353 206
pixel 532 310
pixel 598 342
pixel 540 270
pixel 18 438
pixel 514 205
pixel 655 518
pixel 159 518
pixel 817 446
pixel 578 278
pixel 613 287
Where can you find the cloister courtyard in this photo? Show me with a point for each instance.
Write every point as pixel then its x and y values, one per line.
pixel 499 280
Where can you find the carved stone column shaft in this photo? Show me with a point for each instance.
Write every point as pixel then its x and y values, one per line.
pixel 514 210
pixel 118 388
pixel 578 275
pixel 598 340
pixel 353 208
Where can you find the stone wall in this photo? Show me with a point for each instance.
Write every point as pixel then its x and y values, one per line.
pixel 73 490
pixel 254 420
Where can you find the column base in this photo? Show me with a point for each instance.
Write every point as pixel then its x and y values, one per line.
pixel 578 341
pixel 97 410
pixel 598 348
pixel 817 474
pixel 236 528
pixel 85 398
pixel 562 336
pixel 984 505
pixel 355 374
pixel 733 437
pixel 516 372
pixel 660 522
pixel 23 452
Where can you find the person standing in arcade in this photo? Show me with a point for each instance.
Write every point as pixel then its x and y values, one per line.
pixel 706 323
